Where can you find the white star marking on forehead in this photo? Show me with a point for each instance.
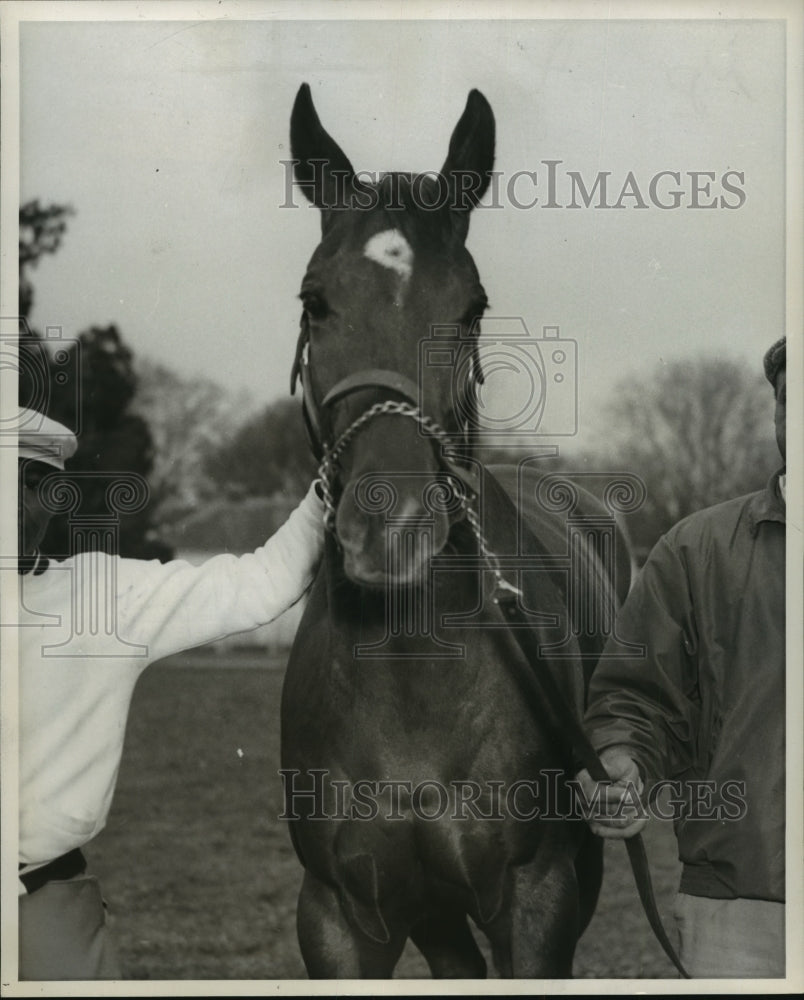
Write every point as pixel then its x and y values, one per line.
pixel 390 249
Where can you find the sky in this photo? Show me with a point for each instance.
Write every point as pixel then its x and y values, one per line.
pixel 167 138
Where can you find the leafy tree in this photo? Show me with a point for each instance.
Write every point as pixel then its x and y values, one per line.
pixel 268 455
pixel 112 440
pixel 89 386
pixel 41 232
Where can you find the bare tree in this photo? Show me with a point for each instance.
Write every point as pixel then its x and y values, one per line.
pixel 189 418
pixel 697 432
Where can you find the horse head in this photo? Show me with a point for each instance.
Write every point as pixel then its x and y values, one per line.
pixel 391 272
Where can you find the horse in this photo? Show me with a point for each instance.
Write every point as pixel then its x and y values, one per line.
pixel 415 775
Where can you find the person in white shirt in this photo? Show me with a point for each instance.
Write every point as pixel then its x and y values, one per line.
pixel 88 627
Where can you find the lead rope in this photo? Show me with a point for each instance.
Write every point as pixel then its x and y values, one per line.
pixel 541 685
pixel 501 585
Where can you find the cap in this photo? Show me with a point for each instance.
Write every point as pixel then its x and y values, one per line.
pixel 775 359
pixel 45 440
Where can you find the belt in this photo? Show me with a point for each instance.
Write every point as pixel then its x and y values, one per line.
pixel 67 866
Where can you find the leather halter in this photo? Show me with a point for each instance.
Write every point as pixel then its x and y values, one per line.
pixel 319 426
pixel 369 378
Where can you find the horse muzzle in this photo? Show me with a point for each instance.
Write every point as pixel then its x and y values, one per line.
pixel 390 526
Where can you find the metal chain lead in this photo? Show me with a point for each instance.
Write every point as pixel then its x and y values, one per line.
pixel 326 469
pixel 490 557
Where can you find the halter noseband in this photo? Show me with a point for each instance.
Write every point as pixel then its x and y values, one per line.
pixel 328 451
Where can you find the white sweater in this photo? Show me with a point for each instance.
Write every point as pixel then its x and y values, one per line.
pixel 88 628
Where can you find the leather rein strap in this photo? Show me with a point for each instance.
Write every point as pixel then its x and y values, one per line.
pixel 540 689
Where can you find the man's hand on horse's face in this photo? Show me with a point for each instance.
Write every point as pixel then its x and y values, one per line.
pixel 616 809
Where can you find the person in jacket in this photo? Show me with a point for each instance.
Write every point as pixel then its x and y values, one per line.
pixel 88 627
pixel 702 716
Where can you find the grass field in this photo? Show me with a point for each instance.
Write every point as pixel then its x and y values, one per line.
pixel 200 874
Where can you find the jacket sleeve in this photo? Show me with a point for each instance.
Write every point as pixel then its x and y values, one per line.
pixel 646 698
pixel 175 606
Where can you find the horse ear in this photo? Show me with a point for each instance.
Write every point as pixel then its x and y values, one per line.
pixel 470 159
pixel 321 167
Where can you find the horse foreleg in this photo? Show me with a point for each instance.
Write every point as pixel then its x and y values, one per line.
pixel 445 940
pixel 535 937
pixel 330 946
pixel 544 917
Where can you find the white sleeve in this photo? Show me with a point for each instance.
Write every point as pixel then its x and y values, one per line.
pixel 174 606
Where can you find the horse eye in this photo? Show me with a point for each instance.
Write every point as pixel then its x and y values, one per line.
pixel 314 305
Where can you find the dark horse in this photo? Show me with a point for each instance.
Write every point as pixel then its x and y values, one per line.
pixel 416 778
